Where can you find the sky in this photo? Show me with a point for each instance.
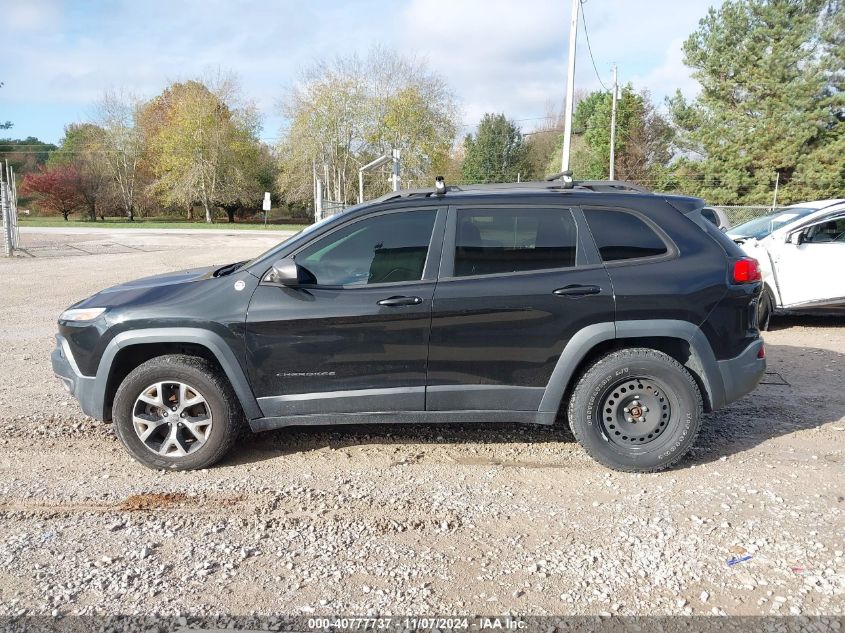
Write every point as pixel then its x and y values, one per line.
pixel 57 58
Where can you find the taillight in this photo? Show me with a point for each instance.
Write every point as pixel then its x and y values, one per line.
pixel 746 271
pixel 761 353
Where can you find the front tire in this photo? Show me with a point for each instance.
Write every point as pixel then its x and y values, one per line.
pixel 636 410
pixel 176 412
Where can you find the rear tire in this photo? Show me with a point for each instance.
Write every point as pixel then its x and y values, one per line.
pixel 765 307
pixel 636 410
pixel 177 413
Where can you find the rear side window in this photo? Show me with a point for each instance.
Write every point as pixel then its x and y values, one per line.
pixel 496 241
pixel 620 235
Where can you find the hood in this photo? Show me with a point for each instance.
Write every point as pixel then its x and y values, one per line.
pixel 148 289
pixel 167 279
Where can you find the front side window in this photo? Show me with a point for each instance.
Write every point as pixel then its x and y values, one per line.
pixel 496 241
pixel 620 235
pixel 832 230
pixel 387 248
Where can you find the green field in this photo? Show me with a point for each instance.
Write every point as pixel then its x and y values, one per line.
pixel 154 223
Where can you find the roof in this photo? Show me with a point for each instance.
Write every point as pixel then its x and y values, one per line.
pixel 817 204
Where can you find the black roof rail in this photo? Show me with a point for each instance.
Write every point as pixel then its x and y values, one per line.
pixel 550 184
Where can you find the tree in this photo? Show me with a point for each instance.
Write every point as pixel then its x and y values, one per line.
pixel 644 139
pixel 25 155
pixel 81 148
pixel 347 112
pixel 496 153
pixel 202 146
pixel 57 189
pixel 771 97
pixel 122 147
pixel 5 125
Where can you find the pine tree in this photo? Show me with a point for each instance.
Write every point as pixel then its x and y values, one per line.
pixel 497 152
pixel 766 101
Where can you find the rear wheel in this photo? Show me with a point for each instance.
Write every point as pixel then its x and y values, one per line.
pixel 636 410
pixel 176 412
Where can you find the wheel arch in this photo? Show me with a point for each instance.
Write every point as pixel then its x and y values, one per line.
pixel 681 340
pixel 129 349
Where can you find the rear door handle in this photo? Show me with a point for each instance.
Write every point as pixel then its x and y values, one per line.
pixel 400 301
pixel 577 290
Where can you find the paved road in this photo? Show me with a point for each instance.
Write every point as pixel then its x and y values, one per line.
pixel 91 230
pixel 79 241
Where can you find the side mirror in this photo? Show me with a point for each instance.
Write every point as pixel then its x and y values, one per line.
pixel 796 238
pixel 284 272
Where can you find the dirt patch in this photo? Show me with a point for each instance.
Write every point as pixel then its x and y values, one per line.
pixel 154 501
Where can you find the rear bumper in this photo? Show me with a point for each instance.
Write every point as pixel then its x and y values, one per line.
pixel 742 374
pixel 81 387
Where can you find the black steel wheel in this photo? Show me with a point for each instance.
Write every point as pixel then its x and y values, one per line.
pixel 636 410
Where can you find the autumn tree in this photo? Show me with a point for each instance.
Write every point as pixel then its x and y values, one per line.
pixel 122 147
pixel 495 153
pixel 202 145
pixel 347 112
pixel 56 189
pixel 82 149
pixel 771 102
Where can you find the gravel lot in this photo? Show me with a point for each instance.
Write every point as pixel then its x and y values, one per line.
pixel 423 520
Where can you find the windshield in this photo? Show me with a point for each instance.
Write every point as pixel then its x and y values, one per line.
pixel 308 229
pixel 759 228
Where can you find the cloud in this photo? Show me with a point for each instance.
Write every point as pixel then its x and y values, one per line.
pixel 30 15
pixel 497 55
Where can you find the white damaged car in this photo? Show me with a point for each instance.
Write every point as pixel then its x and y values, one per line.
pixel 801 251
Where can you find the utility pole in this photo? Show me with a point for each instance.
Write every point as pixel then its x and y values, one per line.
pixel 395 172
pixel 570 87
pixel 777 182
pixel 613 128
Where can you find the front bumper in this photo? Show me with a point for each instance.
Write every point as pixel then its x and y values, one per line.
pixel 81 387
pixel 742 374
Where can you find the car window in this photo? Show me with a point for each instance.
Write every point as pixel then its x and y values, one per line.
pixel 621 235
pixel 496 241
pixel 710 215
pixel 387 248
pixel 830 230
pixel 759 228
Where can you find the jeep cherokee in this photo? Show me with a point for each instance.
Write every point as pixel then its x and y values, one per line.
pixel 624 312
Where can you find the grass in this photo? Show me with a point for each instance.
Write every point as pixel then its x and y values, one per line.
pixel 153 223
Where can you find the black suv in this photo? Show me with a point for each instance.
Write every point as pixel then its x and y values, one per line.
pixel 623 311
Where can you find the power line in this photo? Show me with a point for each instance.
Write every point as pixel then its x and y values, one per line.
pixel 589 48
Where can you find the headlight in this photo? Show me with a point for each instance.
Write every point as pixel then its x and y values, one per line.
pixel 81 314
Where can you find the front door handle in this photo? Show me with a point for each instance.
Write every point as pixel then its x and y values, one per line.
pixel 400 301
pixel 577 290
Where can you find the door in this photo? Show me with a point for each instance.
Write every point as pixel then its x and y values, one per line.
pixel 353 336
pixel 514 288
pixel 810 272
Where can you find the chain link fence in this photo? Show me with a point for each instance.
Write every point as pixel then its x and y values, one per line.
pixel 9 206
pixel 739 214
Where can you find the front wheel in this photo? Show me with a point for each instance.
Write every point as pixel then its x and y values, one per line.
pixel 636 410
pixel 176 412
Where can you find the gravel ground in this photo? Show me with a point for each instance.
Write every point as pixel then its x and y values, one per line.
pixel 423 520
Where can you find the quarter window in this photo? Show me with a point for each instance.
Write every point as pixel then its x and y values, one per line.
pixel 496 241
pixel 387 248
pixel 620 235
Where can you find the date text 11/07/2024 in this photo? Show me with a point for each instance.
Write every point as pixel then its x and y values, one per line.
pixel 416 623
